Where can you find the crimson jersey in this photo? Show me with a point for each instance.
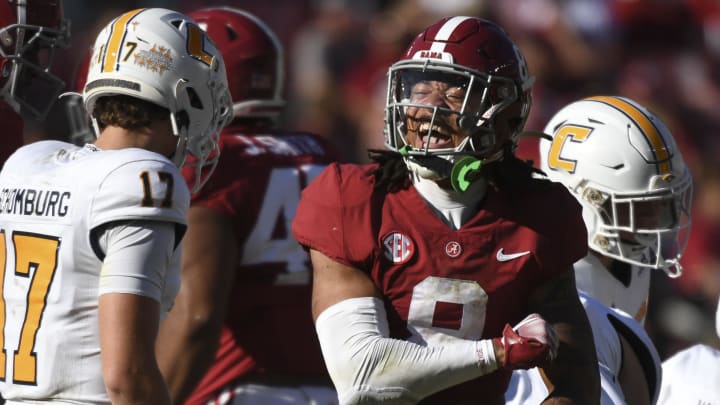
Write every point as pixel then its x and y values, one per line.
pixel 269 327
pixel 436 281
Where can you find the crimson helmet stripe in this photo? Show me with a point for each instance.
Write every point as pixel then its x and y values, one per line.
pixel 652 134
pixel 444 33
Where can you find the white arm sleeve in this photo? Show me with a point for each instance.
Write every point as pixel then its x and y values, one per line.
pixel 367 366
pixel 141 259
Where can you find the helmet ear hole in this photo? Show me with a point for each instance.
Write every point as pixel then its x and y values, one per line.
pixel 194 98
pixel 231 33
pixel 183 119
pixel 503 92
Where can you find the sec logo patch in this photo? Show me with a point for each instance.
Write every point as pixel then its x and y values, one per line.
pixel 399 248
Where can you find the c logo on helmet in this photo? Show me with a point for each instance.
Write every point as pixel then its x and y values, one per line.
pixel 573 133
pixel 399 248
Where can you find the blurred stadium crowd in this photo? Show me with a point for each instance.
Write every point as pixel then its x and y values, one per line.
pixel 664 54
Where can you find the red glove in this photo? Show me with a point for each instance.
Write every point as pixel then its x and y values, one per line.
pixel 531 343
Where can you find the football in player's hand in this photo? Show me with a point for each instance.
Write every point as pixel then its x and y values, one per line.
pixel 531 343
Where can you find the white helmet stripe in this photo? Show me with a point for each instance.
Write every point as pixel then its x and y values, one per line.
pixel 445 32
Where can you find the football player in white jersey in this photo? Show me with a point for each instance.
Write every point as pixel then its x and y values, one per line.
pixel 90 236
pixel 692 376
pixel 622 164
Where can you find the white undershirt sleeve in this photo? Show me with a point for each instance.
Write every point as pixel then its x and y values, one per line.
pixel 367 366
pixel 141 258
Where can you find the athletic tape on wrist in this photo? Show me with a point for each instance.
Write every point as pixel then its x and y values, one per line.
pixel 486 356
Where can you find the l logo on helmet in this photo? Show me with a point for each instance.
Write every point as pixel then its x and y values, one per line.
pixel 196 38
pixel 399 248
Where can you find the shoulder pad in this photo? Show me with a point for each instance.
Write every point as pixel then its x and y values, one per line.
pixel 146 188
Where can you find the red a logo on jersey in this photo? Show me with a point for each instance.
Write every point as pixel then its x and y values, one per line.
pixel 399 248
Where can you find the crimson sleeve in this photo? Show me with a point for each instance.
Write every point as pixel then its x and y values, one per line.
pixel 333 216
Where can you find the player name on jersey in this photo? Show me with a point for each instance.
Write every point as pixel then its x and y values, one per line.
pixel 288 145
pixel 36 202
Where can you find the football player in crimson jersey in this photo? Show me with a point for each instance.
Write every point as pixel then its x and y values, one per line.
pixel 621 163
pixel 423 260
pixel 241 330
pixel 30 33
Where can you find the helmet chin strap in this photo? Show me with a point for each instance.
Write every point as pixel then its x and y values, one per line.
pixel 461 173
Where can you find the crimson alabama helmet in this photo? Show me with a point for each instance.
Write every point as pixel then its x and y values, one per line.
pixel 254 60
pixel 478 57
pixel 30 31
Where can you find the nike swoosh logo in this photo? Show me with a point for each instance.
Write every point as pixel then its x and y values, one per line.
pixel 502 257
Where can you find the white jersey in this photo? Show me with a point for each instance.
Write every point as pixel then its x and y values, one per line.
pixel 628 291
pixel 54 197
pixel 608 324
pixel 691 376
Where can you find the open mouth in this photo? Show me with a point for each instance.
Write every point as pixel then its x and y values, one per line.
pixel 435 137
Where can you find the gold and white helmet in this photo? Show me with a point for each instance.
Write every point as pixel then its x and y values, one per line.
pixel 622 164
pixel 162 56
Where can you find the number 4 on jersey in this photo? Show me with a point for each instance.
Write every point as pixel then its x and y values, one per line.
pixel 277 210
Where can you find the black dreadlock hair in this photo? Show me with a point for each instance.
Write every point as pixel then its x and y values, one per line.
pixel 392 174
